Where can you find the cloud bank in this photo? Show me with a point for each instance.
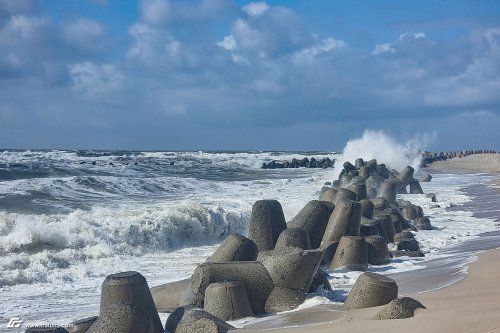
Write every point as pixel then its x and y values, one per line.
pixel 213 74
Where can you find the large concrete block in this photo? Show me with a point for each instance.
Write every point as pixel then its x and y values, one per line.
pixel 313 218
pixel 82 325
pixel 426 178
pixel 227 300
pixel 320 281
pixel 293 239
pixel 415 188
pixel 351 254
pixel 380 203
pixel 327 194
pixel 266 223
pixel 253 274
pixel 235 248
pixel 378 253
pixel 388 191
pixel 409 212
pixel 167 296
pixel 123 318
pixel 294 270
pixel 387 225
pixel 345 194
pixel 399 308
pixel 344 221
pixel 403 235
pixel 359 188
pixel 408 244
pixel 129 287
pixel 184 320
pixel 406 176
pixel 284 299
pixel 422 223
pixel 367 208
pixel 371 290
pixel 368 227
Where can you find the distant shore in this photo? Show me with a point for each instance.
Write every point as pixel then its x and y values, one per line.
pixel 469 164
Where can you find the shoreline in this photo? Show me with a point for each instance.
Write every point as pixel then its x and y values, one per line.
pixel 469 305
pixel 437 277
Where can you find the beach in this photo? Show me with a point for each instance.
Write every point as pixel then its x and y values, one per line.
pixel 471 305
pixel 470 164
pixel 457 298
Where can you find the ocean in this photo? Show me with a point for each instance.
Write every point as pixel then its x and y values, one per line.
pixel 68 218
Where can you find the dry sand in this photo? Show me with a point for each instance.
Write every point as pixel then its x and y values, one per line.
pixel 471 163
pixel 471 305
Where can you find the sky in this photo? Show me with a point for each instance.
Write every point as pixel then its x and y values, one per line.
pixel 242 75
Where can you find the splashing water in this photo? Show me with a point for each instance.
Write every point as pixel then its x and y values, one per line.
pixel 385 149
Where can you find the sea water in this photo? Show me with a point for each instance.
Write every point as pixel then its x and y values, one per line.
pixel 70 218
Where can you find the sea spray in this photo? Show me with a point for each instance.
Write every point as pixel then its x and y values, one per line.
pixel 385 149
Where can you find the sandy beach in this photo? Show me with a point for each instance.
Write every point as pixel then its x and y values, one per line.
pixel 468 164
pixel 471 304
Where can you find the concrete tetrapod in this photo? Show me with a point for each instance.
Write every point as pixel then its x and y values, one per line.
pixel 422 223
pixel 408 244
pixel 378 253
pixel 425 179
pixel 313 218
pixel 167 296
pixel 294 270
pixel 406 176
pixel 368 227
pixel 284 299
pixel 327 194
pixel 235 248
pixel 409 212
pixel 266 223
pixel 345 194
pixel 370 290
pixel 253 274
pixel 227 300
pixel 184 320
pixel 415 187
pixel 344 221
pixel 367 208
pixel 388 227
pixel 360 189
pixel 388 191
pixel 123 318
pixel 403 235
pixel 293 238
pixel 82 325
pixel 351 254
pixel 399 308
pixel 129 287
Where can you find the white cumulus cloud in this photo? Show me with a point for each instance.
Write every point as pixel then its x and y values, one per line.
pixel 255 9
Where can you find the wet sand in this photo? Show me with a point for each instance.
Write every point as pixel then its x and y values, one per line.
pixel 461 294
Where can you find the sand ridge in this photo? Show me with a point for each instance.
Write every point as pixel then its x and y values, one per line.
pixel 471 163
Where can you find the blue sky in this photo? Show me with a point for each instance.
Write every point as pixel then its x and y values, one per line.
pixel 224 74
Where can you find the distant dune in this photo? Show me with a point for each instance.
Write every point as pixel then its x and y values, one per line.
pixel 471 163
